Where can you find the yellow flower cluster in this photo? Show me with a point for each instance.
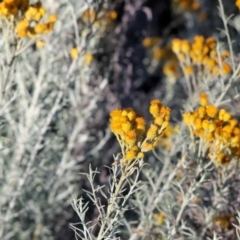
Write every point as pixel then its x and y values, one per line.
pixel 217 128
pixel 27 17
pixel 130 129
pixel 201 54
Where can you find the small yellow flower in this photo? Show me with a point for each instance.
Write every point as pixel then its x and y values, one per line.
pixel 140 155
pixel 203 99
pixel 152 131
pixel 181 57
pixel 236 130
pixel 145 147
pixel 176 45
pixel 227 129
pixel 112 15
pixel 131 115
pixel 226 117
pixel 208 136
pixel 211 42
pixel 226 69
pixel 165 113
pixel 155 107
pixel 198 123
pixel 205 124
pixel 22 28
pixel 213 53
pixel 116 113
pixel 233 122
pixel 221 114
pixel 211 63
pixel 187 119
pixel 211 127
pixel 40 28
pixel 199 132
pixel 140 124
pixel 130 155
pixel 205 50
pixel 116 127
pixel 164 125
pixel 185 46
pixel 88 58
pixel 130 138
pixel 188 70
pixel 126 126
pixel 198 39
pixel 31 13
pixel 74 53
pixel 211 111
pixel 158 120
pixel 159 218
pixel 52 18
pixel 201 111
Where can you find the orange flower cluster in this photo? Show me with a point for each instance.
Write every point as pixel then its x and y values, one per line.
pixel 130 129
pixel 201 55
pixel 217 128
pixel 28 17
